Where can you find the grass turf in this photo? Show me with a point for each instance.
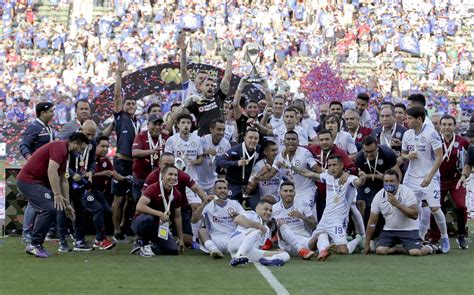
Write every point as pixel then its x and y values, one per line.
pixel 116 271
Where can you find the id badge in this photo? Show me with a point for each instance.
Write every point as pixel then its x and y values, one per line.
pixel 163 231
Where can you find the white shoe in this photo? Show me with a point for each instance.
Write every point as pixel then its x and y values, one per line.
pixel 361 243
pixel 146 251
pixel 216 254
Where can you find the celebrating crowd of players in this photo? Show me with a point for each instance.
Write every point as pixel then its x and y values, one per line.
pixel 229 175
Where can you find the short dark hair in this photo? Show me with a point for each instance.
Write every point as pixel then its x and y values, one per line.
pixel 290 109
pixel 251 101
pixel 251 130
pixel 400 105
pixel 221 180
pixel 129 98
pixel 292 132
pixel 102 137
pixel 264 201
pixel 324 131
pixel 417 112
pixel 153 105
pixel 417 97
pixel 387 104
pixel 287 182
pixel 335 102
pixel 184 116
pixel 364 96
pixel 166 168
pixel 215 121
pixel 447 117
pixel 43 106
pixel 164 154
pixel 81 100
pixel 392 172
pixel 335 157
pixel 268 143
pixel 78 137
pixel 369 140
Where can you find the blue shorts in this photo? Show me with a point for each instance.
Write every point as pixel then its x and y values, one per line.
pixel 410 239
pixel 124 168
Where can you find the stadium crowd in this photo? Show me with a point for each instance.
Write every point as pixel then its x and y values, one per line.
pixel 222 172
pixel 42 59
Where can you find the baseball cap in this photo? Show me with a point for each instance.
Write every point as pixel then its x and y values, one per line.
pixel 154 119
pixel 44 106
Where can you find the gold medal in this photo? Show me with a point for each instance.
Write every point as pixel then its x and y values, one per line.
pixel 155 156
pixel 81 163
pixel 67 175
pixel 336 200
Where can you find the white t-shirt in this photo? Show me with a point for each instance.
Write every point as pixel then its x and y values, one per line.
pixel 394 218
pixel 180 148
pixel 207 175
pixel 296 225
pixel 267 187
pixel 218 219
pixel 279 134
pixel 345 141
pixel 338 198
pixel 424 144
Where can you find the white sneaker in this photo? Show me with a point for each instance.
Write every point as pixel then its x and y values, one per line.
pixel 361 243
pixel 216 254
pixel 146 251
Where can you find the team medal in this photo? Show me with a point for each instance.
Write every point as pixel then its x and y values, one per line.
pixel 81 163
pixel 155 157
pixel 66 175
pixel 336 200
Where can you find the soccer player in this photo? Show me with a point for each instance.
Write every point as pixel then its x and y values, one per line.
pixel 354 127
pixel 218 217
pixel 214 145
pixel 295 222
pixel 361 104
pixel 251 233
pixel 152 216
pixel 422 147
pixel 398 205
pixel 127 127
pixel 340 198
pixel 454 153
pixel 147 147
pixel 340 138
pixel 274 115
pixel 390 133
pixel 44 182
pixel 419 100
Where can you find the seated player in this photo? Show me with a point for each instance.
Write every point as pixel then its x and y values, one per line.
pixel 295 222
pixel 398 205
pixel 251 233
pixel 218 217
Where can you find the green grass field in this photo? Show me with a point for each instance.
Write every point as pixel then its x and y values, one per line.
pixel 117 272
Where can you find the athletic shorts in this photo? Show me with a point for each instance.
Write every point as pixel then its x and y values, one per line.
pixel 431 194
pixel 410 239
pixel 336 230
pixel 124 168
pixel 367 194
pixel 221 243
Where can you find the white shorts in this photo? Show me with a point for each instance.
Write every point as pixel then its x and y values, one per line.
pixel 430 194
pixel 221 244
pixel 336 231
pixel 192 197
pixel 306 197
pixel 237 238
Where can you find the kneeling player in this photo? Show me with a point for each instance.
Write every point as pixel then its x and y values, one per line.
pixel 251 233
pixel 218 216
pixel 295 223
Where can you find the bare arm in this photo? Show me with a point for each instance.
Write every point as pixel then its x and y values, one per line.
pixel 54 181
pixel 237 97
pixel 434 168
pixel 200 192
pixel 118 85
pixel 369 232
pixel 359 182
pixel 142 207
pixel 183 60
pixel 197 213
pixel 199 160
pixel 247 223
pixel 178 223
pixel 306 173
pixel 108 130
pixel 225 83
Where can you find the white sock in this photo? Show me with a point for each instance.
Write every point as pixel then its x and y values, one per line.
pixel 195 228
pixel 249 242
pixel 357 219
pixel 352 245
pixel 209 244
pixel 424 221
pixel 441 222
pixel 323 241
pixel 282 256
pixel 289 237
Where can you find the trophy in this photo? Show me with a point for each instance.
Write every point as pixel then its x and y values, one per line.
pixel 227 50
pixel 252 55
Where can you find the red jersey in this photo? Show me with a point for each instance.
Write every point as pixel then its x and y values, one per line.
pixel 102 183
pixel 36 168
pixel 453 157
pixel 153 192
pixel 362 133
pixel 184 181
pixel 143 166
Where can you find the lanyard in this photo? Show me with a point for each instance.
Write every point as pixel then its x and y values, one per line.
pixel 375 166
pixel 152 147
pixel 324 162
pixel 249 158
pixel 136 126
pixel 382 134
pixel 84 158
pixel 48 129
pixel 166 204
pixel 448 150
pixel 355 134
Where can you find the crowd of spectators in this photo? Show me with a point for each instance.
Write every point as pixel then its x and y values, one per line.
pixel 40 59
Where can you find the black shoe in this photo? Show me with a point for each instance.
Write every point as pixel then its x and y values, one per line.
pixel 82 246
pixel 462 242
pixel 52 236
pixel 120 238
pixel 136 246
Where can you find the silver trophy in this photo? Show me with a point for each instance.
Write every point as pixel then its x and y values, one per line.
pixel 252 55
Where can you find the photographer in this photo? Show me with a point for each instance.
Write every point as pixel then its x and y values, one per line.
pixel 397 204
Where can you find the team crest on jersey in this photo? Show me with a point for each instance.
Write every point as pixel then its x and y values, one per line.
pixel 359 136
pixel 297 163
pixel 423 139
pixel 194 144
pixel 47 196
pixel 220 150
pixel 104 165
pixel 229 193
pixel 367 190
pixel 90 198
pixel 230 210
pixel 398 135
pixel 380 162
pixel 410 147
pixel 400 199
pixel 456 144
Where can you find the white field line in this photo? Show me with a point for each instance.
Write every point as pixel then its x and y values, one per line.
pixel 274 283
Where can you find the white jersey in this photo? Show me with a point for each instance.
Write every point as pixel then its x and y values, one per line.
pixel 276 122
pixel 345 141
pixel 296 225
pixel 189 88
pixel 305 187
pixel 428 122
pixel 230 132
pixel 181 148
pixel 394 218
pixel 365 120
pixel 279 134
pixel 310 126
pixel 207 174
pixel 218 218
pixel 252 215
pixel 271 186
pixel 338 198
pixel 424 144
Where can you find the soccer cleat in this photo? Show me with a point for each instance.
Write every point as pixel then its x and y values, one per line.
pixel 462 242
pixel 305 253
pixel 195 246
pixel 271 262
pixel 216 254
pixel 104 244
pixel 236 261
pixel 268 245
pixel 63 247
pixel 433 247
pixel 146 251
pixel 445 246
pixel 136 246
pixel 361 244
pixel 120 238
pixel 325 253
pixel 82 246
pixel 38 251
